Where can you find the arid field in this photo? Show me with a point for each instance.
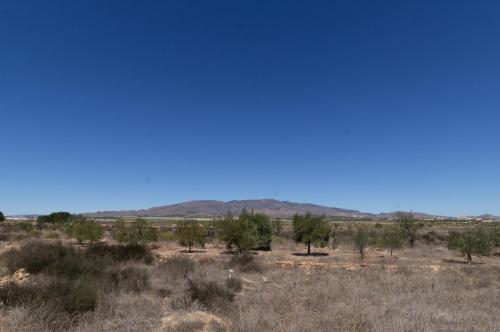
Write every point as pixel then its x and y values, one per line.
pixel 160 286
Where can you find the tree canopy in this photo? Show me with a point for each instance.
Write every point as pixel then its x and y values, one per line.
pixel 309 229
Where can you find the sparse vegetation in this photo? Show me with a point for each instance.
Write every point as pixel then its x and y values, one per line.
pixel 309 229
pixel 55 218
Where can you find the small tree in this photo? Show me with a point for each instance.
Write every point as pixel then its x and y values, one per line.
pixel 392 238
pixel 2 217
pixel 361 240
pixel 263 229
pixel 309 229
pixel 240 233
pixel 84 230
pixel 409 226
pixel 135 232
pixel 471 242
pixel 190 233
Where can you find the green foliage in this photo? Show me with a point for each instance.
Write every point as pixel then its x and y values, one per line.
pixel 84 230
pixel 476 241
pixel 139 231
pixel 391 238
pixel 2 217
pixel 190 233
pixel 309 229
pixel 361 240
pixel 55 218
pixel 409 226
pixel 239 233
pixel 263 227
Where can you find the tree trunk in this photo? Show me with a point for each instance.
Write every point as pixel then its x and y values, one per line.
pixel 189 247
pixel 361 253
pixel 469 258
pixel 391 252
pixel 308 248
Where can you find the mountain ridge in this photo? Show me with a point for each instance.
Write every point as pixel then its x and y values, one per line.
pixel 271 207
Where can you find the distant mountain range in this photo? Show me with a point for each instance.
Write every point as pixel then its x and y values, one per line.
pixel 271 207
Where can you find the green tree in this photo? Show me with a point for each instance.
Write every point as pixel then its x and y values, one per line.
pixel 361 240
pixel 84 230
pixel 2 217
pixel 55 218
pixel 138 231
pixel 190 233
pixel 238 232
pixel 309 229
pixel 409 226
pixel 263 229
pixel 476 241
pixel 391 238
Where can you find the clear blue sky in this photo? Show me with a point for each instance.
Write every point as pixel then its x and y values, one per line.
pixel 371 105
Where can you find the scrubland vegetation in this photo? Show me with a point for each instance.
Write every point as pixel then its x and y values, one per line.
pixel 64 272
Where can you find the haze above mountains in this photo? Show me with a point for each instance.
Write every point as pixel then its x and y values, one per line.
pixel 271 207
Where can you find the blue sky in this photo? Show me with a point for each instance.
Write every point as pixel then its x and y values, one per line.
pixel 370 105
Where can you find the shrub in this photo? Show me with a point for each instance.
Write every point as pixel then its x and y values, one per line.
pixel 2 217
pixel 177 267
pixel 70 296
pixel 130 279
pixel 246 263
pixel 84 230
pixel 55 218
pixel 234 284
pixel 190 233
pixel 26 227
pixel 239 233
pixel 309 229
pixel 121 253
pixel 166 236
pixel 471 242
pixel 210 294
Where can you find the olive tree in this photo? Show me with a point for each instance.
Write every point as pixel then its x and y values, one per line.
pixel 471 242
pixel 135 232
pixel 409 226
pixel 361 240
pixel 84 230
pixel 391 237
pixel 238 232
pixel 309 229
pixel 190 233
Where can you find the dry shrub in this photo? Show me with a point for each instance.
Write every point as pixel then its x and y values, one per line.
pixel 234 284
pixel 121 252
pixel 246 263
pixel 210 294
pixel 177 267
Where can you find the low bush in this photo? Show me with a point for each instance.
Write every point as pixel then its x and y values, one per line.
pixel 70 296
pixel 234 284
pixel 210 294
pixel 246 263
pixel 121 253
pixel 177 267
pixel 130 279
